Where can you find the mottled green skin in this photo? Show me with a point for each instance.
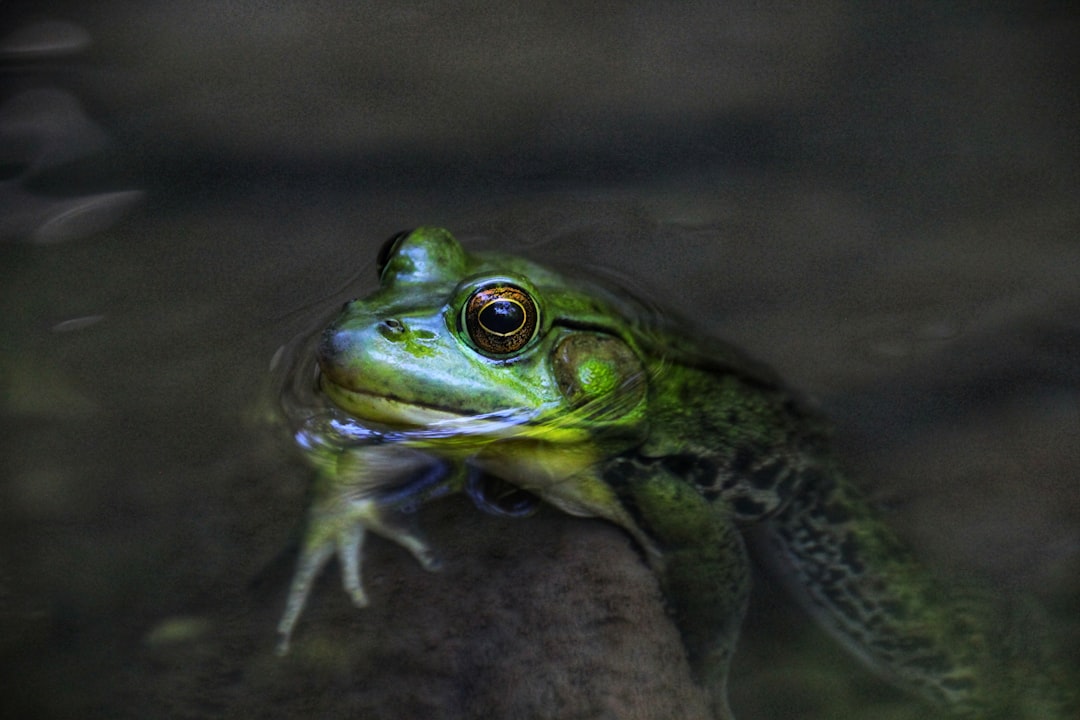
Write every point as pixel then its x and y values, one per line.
pixel 613 411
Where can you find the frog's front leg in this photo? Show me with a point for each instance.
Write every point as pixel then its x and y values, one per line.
pixel 363 489
pixel 702 565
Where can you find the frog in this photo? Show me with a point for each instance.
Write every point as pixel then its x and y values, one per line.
pixel 518 384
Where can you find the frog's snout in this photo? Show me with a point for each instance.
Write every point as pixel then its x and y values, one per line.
pixel 343 350
pixel 335 347
pixel 331 345
pixel 341 342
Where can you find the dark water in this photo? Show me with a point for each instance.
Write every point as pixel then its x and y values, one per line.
pixel 879 199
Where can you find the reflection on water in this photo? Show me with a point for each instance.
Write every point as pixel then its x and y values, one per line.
pixel 48 39
pixel 880 203
pixel 41 130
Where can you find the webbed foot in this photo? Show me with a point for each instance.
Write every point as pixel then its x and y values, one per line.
pixel 359 496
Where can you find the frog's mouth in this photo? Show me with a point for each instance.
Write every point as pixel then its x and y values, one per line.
pixel 432 423
pixel 385 409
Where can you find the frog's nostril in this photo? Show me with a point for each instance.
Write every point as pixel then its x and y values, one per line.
pixel 392 329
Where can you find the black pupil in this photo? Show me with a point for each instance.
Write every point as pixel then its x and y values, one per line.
pixel 502 317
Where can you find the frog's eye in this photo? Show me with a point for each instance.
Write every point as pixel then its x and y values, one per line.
pixel 500 319
pixel 387 250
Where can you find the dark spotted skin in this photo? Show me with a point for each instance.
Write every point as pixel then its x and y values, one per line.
pixel 760 459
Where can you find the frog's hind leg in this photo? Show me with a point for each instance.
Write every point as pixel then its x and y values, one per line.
pixel 866 587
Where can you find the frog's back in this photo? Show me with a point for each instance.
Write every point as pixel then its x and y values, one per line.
pixel 728 422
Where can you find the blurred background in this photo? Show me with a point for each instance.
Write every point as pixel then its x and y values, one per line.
pixel 877 198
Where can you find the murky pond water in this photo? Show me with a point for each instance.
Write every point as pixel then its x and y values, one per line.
pixel 878 200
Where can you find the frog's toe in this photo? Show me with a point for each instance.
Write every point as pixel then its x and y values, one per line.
pixel 349 547
pixel 312 560
pixel 418 547
pixel 340 528
pixel 400 528
pixel 427 559
pixel 327 534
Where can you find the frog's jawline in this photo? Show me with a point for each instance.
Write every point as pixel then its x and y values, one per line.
pixel 424 423
pixel 386 409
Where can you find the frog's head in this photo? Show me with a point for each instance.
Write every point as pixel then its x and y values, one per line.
pixel 450 336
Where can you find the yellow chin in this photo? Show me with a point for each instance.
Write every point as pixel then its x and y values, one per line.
pixel 382 409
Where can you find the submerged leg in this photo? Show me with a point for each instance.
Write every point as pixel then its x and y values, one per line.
pixel 956 647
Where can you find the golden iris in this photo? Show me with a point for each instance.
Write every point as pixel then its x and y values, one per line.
pixel 500 319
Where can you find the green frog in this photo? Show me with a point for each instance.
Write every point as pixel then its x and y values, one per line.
pixel 498 377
